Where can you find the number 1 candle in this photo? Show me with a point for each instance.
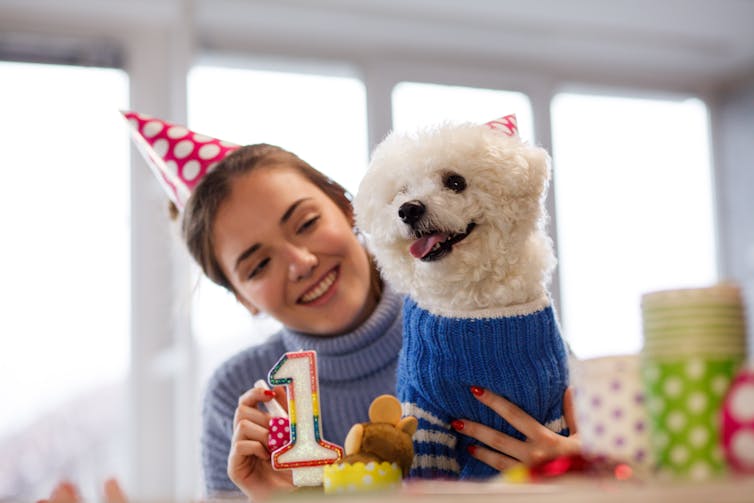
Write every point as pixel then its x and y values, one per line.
pixel 307 451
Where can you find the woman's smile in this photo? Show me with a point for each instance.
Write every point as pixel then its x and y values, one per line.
pixel 321 291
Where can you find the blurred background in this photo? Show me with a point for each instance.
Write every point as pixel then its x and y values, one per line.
pixel 107 331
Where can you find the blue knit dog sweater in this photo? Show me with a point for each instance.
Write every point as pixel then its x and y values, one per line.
pixel 521 358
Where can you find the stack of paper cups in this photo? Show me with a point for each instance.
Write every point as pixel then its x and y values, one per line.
pixel 694 342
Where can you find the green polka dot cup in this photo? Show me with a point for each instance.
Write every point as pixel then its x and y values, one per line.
pixel 684 401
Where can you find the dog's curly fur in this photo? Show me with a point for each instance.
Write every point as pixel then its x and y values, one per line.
pixel 505 261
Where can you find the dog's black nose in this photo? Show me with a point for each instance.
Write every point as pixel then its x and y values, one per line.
pixel 411 212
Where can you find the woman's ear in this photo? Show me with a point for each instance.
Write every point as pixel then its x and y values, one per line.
pixel 248 305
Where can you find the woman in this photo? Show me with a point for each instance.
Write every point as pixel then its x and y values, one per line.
pixel 279 235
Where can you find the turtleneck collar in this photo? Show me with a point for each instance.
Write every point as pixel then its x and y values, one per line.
pixel 369 348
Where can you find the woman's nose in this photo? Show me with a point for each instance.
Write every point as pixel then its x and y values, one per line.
pixel 301 263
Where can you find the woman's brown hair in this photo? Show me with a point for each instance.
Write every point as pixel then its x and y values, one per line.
pixel 201 208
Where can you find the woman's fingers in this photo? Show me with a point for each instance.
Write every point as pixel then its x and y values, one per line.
pixel 247 448
pixel 244 412
pixel 249 431
pixel 248 404
pixel 281 397
pixel 569 412
pixel 250 399
pixel 248 409
pixel 530 452
pixel 511 447
pixel 113 492
pixel 517 418
pixel 494 459
pixel 541 444
pixel 65 492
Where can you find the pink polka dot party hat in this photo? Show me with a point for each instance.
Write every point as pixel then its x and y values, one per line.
pixel 179 157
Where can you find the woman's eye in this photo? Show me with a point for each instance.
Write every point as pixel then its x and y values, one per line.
pixel 307 224
pixel 259 268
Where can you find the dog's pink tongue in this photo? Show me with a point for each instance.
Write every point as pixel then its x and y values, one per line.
pixel 422 246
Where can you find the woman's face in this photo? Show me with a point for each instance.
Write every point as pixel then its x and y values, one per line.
pixel 289 251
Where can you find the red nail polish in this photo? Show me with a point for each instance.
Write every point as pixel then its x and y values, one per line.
pixel 456 425
pixel 477 390
pixel 471 449
pixel 269 392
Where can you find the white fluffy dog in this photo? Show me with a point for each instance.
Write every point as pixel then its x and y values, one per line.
pixel 455 218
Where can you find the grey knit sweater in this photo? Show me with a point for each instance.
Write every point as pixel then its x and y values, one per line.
pixel 354 368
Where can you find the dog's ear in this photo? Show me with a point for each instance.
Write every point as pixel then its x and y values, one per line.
pixel 539 168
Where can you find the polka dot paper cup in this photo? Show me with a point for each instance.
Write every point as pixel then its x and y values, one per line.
pixel 610 409
pixel 280 433
pixel 738 422
pixel 345 478
pixel 684 400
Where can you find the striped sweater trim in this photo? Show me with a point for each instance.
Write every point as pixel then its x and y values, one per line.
pixel 411 409
pixel 435 437
pixel 557 425
pixel 434 462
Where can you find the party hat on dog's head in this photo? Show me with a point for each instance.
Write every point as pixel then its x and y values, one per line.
pixel 508 125
pixel 178 156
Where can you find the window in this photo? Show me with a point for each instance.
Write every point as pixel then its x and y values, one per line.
pixel 634 211
pixel 319 117
pixel 64 263
pixel 418 104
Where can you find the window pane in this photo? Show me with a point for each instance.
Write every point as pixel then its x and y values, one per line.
pixel 64 265
pixel 417 105
pixel 321 118
pixel 635 211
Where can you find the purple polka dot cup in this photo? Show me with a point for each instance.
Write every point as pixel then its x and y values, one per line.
pixel 280 433
pixel 610 409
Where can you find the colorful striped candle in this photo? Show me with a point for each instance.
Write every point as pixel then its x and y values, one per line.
pixel 307 452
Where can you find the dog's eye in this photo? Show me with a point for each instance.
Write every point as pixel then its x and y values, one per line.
pixel 454 182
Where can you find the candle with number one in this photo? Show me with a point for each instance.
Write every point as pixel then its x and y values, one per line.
pixel 307 452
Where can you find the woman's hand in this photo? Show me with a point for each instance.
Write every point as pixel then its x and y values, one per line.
pixel 541 444
pixel 249 460
pixel 65 492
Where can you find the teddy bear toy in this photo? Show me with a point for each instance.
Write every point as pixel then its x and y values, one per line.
pixel 454 215
pixel 379 453
pixel 385 438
